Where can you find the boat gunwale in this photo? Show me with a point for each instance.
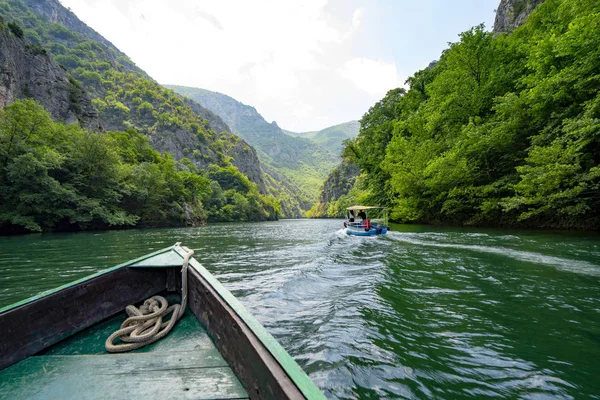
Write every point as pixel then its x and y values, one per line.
pixel 281 356
pixel 86 278
pixel 290 367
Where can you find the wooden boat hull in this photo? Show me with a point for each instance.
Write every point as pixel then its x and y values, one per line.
pixel 264 368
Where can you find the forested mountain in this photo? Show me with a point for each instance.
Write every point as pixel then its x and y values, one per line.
pixel 505 130
pixel 331 138
pixel 295 167
pixel 197 179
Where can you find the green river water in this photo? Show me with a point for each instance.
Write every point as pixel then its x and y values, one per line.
pixel 423 312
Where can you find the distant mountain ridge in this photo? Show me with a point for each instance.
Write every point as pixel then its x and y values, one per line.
pixel 282 150
pixel 331 138
pixel 296 166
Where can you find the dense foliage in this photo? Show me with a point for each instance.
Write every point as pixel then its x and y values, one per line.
pixel 58 176
pixel 332 137
pixel 134 189
pixel 503 131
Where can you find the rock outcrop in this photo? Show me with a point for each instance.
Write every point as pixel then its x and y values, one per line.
pixel 246 160
pixel 512 13
pixel 339 182
pixel 27 71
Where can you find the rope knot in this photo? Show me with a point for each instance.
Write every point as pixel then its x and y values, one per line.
pixel 145 325
pixel 149 306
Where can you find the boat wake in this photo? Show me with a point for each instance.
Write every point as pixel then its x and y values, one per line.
pixel 563 264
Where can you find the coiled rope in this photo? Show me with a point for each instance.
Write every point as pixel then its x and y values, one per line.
pixel 145 324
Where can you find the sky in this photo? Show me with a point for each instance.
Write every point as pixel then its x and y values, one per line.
pixel 307 64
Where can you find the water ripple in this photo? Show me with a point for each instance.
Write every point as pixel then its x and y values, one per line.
pixel 420 313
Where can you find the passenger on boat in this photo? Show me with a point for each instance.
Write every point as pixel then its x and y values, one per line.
pixel 362 215
pixel 351 217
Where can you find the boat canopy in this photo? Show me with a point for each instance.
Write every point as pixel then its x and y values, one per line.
pixel 355 208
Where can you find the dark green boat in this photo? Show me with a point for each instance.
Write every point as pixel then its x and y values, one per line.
pixel 53 344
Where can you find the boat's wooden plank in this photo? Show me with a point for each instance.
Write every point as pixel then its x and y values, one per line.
pixel 32 327
pixel 274 359
pixel 144 375
pixel 167 259
pixel 188 335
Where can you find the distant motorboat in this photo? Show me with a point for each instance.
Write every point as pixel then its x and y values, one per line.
pixel 357 222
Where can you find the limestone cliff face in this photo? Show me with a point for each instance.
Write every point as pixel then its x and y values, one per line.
pixel 28 72
pixel 244 156
pixel 339 182
pixel 512 13
pixel 246 160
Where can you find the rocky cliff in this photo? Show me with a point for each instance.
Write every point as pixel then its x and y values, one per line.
pixel 512 13
pixel 339 182
pixel 27 71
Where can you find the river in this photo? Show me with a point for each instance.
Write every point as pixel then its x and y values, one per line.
pixel 423 312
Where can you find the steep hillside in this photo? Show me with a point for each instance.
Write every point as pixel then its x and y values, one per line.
pixel 332 138
pixel 334 196
pixel 53 12
pixel 298 166
pixel 125 99
pixel 123 94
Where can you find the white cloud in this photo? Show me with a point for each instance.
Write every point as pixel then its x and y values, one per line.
pixel 289 59
pixel 357 17
pixel 372 76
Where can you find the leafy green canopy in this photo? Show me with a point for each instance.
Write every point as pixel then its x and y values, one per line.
pixel 504 130
pixel 140 187
pixel 56 176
